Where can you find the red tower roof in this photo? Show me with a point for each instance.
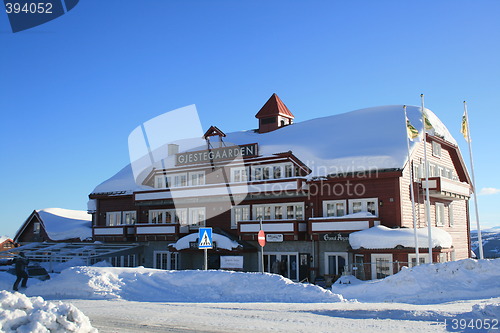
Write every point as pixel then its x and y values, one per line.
pixel 274 107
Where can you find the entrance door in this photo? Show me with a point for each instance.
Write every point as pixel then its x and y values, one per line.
pixel 283 263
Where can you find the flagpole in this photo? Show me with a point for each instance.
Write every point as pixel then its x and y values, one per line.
pixel 479 237
pixel 412 194
pixel 428 202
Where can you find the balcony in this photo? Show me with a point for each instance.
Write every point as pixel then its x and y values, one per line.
pixel 319 225
pixel 289 228
pixel 444 188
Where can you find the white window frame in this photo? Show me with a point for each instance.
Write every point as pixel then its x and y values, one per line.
pixel 170 256
pixel 196 178
pixel 278 255
pixel 440 216
pixel 160 181
pixel 436 149
pixel 334 203
pixel 384 256
pixel 337 254
pixel 239 174
pixel 175 216
pixel 422 257
pixel 130 215
pixel 113 218
pixel 239 211
pixel 194 217
pixel 364 204
pixel 272 210
pixel 36 228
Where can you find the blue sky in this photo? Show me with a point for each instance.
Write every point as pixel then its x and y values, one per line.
pixel 73 89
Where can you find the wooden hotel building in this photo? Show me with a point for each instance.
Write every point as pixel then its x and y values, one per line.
pixel 313 184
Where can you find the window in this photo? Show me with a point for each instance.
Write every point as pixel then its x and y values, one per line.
pixel 197 178
pixel 381 265
pixel 423 258
pixel 277 172
pixel 165 260
pixel 156 216
pixel 197 217
pixel 160 181
pixel 167 216
pixel 284 263
pixel 277 211
pixel 258 173
pixel 288 170
pixel 439 214
pixel 436 149
pixel 113 218
pixel 239 175
pixel 364 205
pixel 129 217
pixel 266 171
pixel 334 208
pixel 36 228
pixel 450 214
pixel 181 216
pixel 239 213
pixel 335 262
pixel 124 261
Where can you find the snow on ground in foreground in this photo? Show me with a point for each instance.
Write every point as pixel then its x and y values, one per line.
pixel 426 284
pixel 19 313
pixel 153 285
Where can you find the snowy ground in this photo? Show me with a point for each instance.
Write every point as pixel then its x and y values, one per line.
pixel 148 300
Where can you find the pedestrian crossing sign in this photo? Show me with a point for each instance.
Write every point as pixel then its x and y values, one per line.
pixel 205 238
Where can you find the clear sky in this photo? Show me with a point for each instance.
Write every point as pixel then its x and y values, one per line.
pixel 73 89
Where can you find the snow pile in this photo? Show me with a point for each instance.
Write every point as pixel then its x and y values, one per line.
pixel 62 224
pixel 436 283
pixel 381 237
pixel 19 313
pixel 153 285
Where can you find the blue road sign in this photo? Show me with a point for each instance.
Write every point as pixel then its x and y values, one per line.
pixel 205 238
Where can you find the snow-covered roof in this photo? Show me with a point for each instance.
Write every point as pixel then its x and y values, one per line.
pixel 222 242
pixel 357 141
pixel 3 239
pixel 62 224
pixel 381 237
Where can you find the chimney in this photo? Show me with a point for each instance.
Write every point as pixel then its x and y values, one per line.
pixel 172 149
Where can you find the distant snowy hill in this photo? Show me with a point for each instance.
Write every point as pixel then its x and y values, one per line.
pixel 491 242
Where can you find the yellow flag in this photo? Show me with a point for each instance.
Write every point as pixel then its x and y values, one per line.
pixel 464 128
pixel 427 123
pixel 412 131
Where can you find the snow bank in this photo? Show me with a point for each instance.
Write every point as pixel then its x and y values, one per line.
pixel 62 224
pixel 381 237
pixel 19 313
pixel 152 285
pixel 425 284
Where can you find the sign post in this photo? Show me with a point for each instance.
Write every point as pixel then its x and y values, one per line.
pixel 261 237
pixel 205 242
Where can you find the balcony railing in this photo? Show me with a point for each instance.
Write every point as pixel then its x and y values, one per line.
pixel 445 188
pixel 338 224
